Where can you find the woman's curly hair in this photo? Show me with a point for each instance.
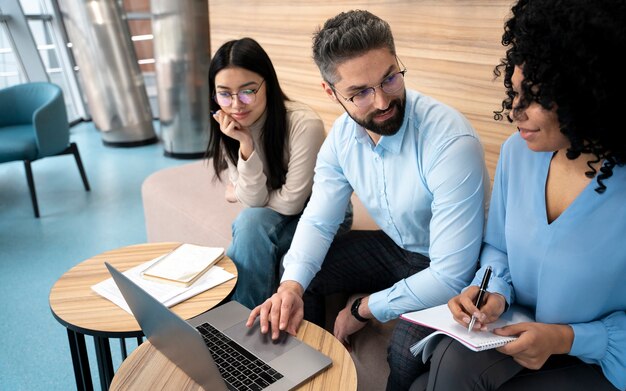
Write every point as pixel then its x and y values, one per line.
pixel 568 51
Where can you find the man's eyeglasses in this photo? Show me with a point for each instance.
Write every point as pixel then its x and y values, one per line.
pixel 392 84
pixel 248 96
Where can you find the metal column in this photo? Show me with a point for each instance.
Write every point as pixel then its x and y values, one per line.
pixel 182 51
pixel 112 81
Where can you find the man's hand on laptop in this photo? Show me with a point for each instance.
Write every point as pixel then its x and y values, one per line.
pixel 283 311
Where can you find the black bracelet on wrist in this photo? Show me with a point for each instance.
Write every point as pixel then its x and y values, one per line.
pixel 355 310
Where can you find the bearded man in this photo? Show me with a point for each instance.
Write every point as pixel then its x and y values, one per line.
pixel 418 167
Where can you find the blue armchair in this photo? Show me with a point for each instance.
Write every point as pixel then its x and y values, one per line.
pixel 33 125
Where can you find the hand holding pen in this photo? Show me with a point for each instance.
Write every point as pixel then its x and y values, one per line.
pixel 489 305
pixel 481 295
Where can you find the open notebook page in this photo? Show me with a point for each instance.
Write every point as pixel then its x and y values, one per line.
pixel 440 319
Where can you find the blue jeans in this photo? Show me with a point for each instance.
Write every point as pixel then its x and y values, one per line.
pixel 261 236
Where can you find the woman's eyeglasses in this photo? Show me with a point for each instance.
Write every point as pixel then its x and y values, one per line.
pixel 247 96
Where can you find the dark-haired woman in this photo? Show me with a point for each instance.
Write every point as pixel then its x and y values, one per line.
pixel 268 145
pixel 557 221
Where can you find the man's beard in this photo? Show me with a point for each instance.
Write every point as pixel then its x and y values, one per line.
pixel 388 127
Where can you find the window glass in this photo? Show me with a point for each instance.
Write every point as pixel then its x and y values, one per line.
pixel 39 16
pixel 34 7
pixel 47 47
pixel 10 68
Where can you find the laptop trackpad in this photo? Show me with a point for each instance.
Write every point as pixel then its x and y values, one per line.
pixel 261 344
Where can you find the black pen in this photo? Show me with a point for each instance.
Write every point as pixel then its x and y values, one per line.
pixel 481 294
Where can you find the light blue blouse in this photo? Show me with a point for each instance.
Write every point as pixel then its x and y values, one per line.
pixel 425 188
pixel 572 271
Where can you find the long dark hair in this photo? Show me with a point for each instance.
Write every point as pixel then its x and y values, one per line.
pixel 567 50
pixel 246 53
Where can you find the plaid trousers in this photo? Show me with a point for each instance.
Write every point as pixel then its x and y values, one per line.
pixel 364 262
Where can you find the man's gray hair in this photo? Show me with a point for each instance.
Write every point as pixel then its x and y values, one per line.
pixel 346 36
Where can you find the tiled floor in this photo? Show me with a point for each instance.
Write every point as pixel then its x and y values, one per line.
pixel 74 226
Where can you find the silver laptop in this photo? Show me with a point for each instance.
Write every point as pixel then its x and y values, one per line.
pixel 217 350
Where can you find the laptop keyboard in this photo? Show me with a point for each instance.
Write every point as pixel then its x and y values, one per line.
pixel 240 369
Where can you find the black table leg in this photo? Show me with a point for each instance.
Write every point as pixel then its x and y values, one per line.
pixel 80 361
pixel 123 349
pixel 105 363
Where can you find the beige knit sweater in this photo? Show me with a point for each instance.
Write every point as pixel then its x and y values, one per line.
pixel 304 139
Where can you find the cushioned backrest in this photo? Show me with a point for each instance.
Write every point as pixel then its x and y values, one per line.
pixel 41 105
pixel 23 100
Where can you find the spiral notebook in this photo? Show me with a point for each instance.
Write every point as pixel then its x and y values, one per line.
pixel 440 319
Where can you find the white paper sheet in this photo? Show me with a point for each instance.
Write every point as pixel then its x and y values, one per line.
pixel 168 294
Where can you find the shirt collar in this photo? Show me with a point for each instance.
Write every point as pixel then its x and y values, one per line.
pixel 392 143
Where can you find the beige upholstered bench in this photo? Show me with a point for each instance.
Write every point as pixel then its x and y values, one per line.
pixel 185 204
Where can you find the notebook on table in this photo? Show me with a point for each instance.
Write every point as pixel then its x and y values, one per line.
pixel 184 265
pixel 440 319
pixel 217 350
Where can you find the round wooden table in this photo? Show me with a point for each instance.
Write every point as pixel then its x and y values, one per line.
pixel 83 312
pixel 148 369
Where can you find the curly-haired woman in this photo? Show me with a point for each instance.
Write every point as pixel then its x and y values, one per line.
pixel 557 220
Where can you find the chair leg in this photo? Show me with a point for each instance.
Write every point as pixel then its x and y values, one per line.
pixel 31 186
pixel 79 163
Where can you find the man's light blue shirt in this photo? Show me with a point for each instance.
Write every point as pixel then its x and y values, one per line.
pixel 425 187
